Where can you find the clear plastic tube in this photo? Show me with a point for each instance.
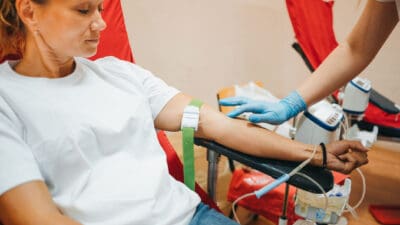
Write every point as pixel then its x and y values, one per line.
pixel 349 208
pixel 364 191
pixel 236 201
pixel 303 164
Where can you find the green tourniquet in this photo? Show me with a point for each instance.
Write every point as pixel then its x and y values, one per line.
pixel 188 157
pixel 188 151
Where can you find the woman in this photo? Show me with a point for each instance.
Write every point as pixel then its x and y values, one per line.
pixel 344 63
pixel 78 144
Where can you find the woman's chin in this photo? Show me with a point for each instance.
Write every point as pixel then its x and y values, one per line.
pixel 88 54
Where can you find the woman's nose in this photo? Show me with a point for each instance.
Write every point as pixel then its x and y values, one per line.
pixel 98 24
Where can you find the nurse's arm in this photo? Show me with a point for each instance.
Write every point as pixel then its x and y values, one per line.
pixel 31 204
pixel 354 54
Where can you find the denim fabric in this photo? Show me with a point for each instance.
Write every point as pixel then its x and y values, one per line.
pixel 205 215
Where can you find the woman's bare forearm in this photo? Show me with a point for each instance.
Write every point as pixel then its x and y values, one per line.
pixel 237 134
pixel 249 138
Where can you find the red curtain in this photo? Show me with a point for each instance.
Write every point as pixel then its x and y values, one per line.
pixel 114 39
pixel 312 22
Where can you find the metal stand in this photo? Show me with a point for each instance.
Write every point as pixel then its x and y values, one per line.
pixel 213 159
pixel 283 217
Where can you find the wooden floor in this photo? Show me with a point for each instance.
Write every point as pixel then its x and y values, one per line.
pixel 382 178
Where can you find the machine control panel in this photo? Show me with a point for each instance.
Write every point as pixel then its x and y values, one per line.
pixel 330 114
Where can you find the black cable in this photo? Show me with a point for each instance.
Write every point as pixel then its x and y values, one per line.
pixel 324 160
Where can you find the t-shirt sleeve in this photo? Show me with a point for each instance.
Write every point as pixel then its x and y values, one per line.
pixel 17 163
pixel 156 90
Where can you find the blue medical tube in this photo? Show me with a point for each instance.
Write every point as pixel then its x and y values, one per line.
pixel 259 193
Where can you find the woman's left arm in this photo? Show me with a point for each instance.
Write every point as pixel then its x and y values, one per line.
pixel 251 139
pixel 233 133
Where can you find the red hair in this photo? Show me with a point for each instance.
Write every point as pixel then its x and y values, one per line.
pixel 12 30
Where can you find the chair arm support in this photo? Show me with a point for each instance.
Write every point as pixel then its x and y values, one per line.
pixel 276 168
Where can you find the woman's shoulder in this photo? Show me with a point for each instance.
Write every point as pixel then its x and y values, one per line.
pixel 7 113
pixel 109 63
pixel 117 71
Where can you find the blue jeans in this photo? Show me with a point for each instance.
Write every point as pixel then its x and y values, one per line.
pixel 205 215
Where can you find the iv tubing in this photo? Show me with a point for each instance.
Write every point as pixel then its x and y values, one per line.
pixel 282 179
pixel 364 190
pixel 364 186
pixel 276 183
pixel 236 201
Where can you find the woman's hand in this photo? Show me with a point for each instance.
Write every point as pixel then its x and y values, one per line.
pixel 345 156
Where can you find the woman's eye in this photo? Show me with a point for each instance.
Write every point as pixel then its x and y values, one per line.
pixel 83 11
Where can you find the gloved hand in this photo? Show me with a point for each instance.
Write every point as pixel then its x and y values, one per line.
pixel 273 113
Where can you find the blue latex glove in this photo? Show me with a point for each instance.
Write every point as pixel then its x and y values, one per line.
pixel 273 113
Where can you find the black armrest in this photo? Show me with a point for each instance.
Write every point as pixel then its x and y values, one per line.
pixel 383 102
pixel 276 168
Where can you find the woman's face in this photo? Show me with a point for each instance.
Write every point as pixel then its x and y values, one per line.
pixel 71 27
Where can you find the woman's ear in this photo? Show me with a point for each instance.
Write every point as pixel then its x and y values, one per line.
pixel 26 12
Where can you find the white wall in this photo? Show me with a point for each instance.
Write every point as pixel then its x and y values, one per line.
pixel 202 46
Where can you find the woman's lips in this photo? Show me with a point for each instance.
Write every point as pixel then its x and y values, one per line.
pixel 92 41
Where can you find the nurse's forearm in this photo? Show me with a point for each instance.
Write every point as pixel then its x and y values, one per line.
pixel 340 67
pixel 353 55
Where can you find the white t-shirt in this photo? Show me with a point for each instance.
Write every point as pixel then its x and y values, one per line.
pixel 397 4
pixel 90 136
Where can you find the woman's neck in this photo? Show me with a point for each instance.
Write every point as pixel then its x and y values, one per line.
pixel 39 60
pixel 36 67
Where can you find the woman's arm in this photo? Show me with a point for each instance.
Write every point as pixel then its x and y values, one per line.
pixel 353 55
pixel 31 204
pixel 248 138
